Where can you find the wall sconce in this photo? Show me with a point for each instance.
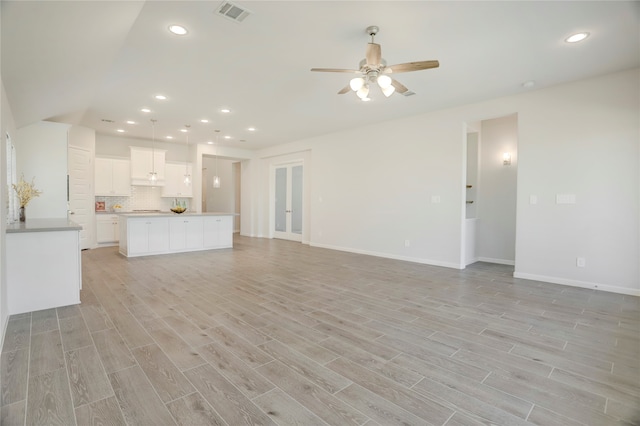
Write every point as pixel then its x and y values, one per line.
pixel 506 159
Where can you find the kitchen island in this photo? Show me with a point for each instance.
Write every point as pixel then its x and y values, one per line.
pixel 43 264
pixel 143 234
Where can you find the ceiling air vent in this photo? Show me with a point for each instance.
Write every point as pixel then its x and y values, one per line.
pixel 232 11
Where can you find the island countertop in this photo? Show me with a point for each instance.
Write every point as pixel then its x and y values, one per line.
pixel 43 225
pixel 171 214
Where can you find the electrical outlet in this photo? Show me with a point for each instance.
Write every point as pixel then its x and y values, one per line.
pixel 581 262
pixel 407 243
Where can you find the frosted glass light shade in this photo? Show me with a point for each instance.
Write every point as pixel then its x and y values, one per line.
pixel 153 176
pixel 216 181
pixel 187 179
pixel 363 92
pixel 388 91
pixel 384 81
pixel 356 83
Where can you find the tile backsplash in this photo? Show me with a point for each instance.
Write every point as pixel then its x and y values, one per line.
pixel 142 198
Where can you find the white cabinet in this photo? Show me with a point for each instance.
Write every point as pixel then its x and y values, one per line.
pixel 174 185
pixel 145 160
pixel 160 234
pixel 112 177
pixel 144 235
pixel 185 233
pixel 218 231
pixel 107 229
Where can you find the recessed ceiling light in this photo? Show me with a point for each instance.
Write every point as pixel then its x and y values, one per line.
pixel 210 143
pixel 131 122
pixel 177 29
pixel 160 97
pixel 204 120
pixel 145 110
pixel 365 99
pixel 576 37
pixel 184 130
pixel 225 110
pixel 227 137
pixel 120 130
pixel 528 84
pixel 169 137
pixel 107 120
pixel 251 129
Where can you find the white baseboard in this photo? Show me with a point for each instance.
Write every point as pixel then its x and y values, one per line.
pixel 498 261
pixel 390 256
pixel 576 283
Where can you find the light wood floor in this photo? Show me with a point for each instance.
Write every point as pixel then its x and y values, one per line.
pixel 275 332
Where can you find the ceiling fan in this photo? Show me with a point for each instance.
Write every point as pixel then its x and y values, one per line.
pixel 374 69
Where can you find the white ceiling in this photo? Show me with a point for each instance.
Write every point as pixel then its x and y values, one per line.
pixel 83 61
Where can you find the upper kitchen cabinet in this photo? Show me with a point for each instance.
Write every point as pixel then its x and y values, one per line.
pixel 112 177
pixel 174 184
pixel 143 162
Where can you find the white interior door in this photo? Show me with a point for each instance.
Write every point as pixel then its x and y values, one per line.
pixel 81 201
pixel 288 202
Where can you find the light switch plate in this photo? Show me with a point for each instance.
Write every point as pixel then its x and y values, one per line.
pixel 565 198
pixel 533 199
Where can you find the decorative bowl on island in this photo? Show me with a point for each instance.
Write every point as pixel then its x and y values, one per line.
pixel 178 209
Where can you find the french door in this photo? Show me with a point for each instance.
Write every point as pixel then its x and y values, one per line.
pixel 288 202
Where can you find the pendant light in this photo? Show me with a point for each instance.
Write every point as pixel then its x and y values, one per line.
pixel 216 178
pixel 153 176
pixel 187 176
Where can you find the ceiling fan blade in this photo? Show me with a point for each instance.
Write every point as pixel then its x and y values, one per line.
pixel 335 70
pixel 412 66
pixel 346 89
pixel 401 88
pixel 374 54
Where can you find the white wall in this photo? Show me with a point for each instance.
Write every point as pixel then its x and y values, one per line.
pixel 219 199
pixel 376 184
pixel 496 192
pixel 41 153
pixel 581 138
pixel 7 125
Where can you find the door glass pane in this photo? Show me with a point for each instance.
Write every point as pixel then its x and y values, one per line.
pixel 296 200
pixel 281 200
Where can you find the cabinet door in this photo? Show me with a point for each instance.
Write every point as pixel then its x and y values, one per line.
pixel 143 161
pixel 225 231
pixel 177 233
pixel 102 175
pixel 174 181
pixel 158 234
pixel 138 236
pixel 218 231
pixel 104 231
pixel 121 177
pixel 193 233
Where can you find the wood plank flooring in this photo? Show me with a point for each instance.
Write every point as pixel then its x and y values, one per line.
pixel 278 333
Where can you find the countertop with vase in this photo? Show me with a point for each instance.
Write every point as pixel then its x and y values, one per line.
pixel 43 225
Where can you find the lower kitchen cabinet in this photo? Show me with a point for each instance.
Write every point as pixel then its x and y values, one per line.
pixel 218 231
pixel 185 233
pixel 160 233
pixel 107 229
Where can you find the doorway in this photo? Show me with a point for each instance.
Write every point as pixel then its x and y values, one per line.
pixel 288 201
pixel 491 190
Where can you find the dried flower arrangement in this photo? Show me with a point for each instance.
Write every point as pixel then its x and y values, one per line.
pixel 26 191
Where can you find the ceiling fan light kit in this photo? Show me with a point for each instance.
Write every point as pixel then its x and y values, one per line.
pixel 373 69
